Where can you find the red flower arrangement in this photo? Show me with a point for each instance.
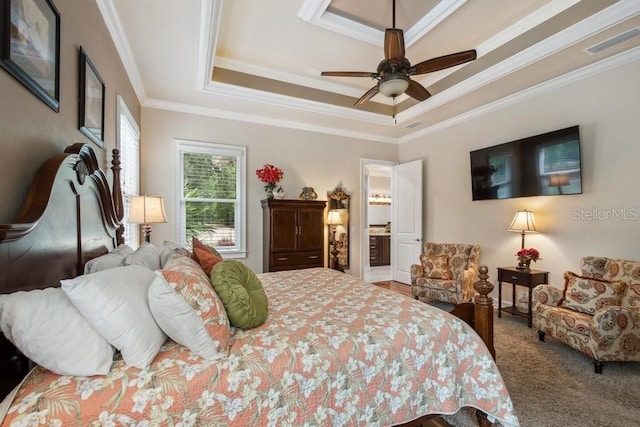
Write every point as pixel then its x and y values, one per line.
pixel 528 254
pixel 270 175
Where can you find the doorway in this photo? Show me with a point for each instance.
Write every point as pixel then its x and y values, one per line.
pixel 376 220
pixel 403 228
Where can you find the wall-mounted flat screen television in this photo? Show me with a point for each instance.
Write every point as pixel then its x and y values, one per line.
pixel 542 165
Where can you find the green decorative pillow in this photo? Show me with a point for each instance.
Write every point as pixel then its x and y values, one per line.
pixel 241 293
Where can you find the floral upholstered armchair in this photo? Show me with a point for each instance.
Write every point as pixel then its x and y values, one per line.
pixel 597 312
pixel 446 272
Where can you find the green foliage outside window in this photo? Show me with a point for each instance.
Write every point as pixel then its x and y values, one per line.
pixel 210 194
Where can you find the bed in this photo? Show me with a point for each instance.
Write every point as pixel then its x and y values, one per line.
pixel 334 350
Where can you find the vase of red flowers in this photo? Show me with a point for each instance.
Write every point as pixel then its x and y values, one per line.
pixel 270 175
pixel 525 256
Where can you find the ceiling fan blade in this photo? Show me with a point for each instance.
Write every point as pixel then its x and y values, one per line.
pixel 394 45
pixel 368 95
pixel 417 91
pixel 349 74
pixel 442 62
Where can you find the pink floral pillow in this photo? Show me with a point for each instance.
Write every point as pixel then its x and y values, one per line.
pixel 587 294
pixel 437 267
pixel 188 309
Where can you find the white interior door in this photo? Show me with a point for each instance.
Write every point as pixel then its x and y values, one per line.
pixel 406 219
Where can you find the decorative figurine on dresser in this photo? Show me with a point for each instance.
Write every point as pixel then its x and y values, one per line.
pixel 293 234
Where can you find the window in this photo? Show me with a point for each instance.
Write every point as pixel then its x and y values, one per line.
pixel 129 143
pixel 211 195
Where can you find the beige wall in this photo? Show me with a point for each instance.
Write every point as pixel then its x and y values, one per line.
pixel 307 159
pixel 31 132
pixel 606 108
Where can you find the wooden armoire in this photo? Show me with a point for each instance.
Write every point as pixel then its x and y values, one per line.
pixel 293 234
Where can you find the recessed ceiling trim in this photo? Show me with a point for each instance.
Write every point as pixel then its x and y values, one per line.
pixel 430 20
pixel 567 78
pixel 315 12
pixel 255 95
pixel 346 27
pixel 262 120
pixel 341 25
pixel 527 23
pixel 270 73
pixel 587 27
pixel 210 16
pixel 311 9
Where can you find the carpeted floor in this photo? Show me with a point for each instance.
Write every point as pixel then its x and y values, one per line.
pixel 553 385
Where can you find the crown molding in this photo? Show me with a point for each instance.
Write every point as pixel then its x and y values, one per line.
pixel 270 98
pixel 111 20
pixel 210 17
pixel 312 9
pixel 615 61
pixel 258 119
pixel 210 23
pixel 601 21
pixel 428 22
pixel 315 13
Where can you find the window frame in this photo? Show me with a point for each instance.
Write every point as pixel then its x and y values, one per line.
pixel 122 111
pixel 182 146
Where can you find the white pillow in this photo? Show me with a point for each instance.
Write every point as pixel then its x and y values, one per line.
pixel 49 330
pixel 146 255
pixel 169 250
pixel 115 302
pixel 123 249
pixel 110 260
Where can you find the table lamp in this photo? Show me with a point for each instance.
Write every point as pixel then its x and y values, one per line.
pixel 523 222
pixel 146 210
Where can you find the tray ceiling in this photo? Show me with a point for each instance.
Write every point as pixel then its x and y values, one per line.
pixel 259 61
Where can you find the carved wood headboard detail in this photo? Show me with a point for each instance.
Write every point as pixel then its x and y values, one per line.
pixel 69 217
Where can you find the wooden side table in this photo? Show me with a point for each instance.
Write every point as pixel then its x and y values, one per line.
pixel 529 278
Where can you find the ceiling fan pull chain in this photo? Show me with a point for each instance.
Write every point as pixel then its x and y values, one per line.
pixel 393 116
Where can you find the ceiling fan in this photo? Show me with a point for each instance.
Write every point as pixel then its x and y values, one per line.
pixel 394 71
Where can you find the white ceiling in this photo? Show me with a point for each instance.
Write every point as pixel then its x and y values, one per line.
pixel 260 61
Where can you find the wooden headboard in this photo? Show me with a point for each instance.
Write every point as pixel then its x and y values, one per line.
pixel 70 216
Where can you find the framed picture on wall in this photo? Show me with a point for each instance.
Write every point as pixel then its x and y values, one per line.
pixel 91 111
pixel 30 46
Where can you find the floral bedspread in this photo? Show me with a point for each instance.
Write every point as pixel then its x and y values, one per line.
pixel 334 351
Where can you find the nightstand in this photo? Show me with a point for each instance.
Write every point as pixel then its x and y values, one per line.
pixel 529 278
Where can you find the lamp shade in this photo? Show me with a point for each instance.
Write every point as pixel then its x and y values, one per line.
pixel 523 222
pixel 146 210
pixel 333 218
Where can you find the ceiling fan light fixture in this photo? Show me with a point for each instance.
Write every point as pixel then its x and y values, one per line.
pixel 393 85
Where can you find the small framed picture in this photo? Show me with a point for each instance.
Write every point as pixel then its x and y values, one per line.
pixel 91 101
pixel 30 46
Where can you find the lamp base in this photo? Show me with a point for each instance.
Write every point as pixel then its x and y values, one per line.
pixel 146 232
